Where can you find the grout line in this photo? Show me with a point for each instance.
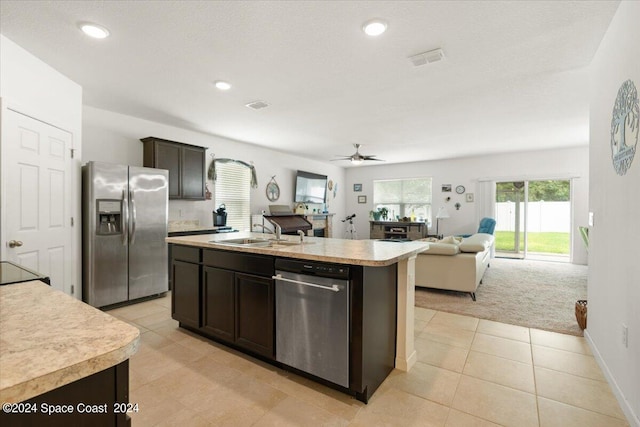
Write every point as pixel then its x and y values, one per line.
pixel 506 338
pixel 535 382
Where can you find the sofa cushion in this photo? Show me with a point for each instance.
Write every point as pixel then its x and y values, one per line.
pixel 439 248
pixel 477 243
pixel 451 239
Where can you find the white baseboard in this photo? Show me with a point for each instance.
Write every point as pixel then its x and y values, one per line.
pixel 632 418
pixel 406 365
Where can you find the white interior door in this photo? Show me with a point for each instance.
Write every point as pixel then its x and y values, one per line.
pixel 36 207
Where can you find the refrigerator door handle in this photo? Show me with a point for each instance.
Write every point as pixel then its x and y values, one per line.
pixel 132 237
pixel 125 218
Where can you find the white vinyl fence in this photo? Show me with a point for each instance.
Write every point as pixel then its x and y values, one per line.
pixel 543 216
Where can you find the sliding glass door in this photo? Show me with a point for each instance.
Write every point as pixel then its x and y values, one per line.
pixel 510 219
pixel 533 219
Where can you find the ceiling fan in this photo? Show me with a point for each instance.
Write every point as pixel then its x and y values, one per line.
pixel 357 158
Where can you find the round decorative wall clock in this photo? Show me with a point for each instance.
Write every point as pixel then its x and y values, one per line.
pixel 460 189
pixel 624 127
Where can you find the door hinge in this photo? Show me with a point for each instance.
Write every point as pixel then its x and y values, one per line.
pixel 73 150
pixel 72 221
pixel 73 289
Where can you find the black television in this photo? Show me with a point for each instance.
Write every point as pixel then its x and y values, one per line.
pixel 310 187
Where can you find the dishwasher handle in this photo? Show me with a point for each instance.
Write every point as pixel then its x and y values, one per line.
pixel 332 288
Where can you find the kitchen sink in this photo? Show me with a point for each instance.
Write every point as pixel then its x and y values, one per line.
pixel 284 243
pixel 242 242
pixel 247 241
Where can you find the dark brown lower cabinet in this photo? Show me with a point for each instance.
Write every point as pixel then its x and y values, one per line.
pixel 238 308
pixel 254 313
pixel 218 301
pixel 232 304
pixel 185 307
pixel 101 399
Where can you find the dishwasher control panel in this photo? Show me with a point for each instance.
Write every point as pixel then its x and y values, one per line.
pixel 313 268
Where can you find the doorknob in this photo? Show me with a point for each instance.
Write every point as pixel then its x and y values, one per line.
pixel 15 243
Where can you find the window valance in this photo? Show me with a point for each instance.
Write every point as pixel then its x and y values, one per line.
pixel 211 173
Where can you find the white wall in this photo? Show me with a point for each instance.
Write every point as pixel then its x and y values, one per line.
pixel 614 270
pixel 115 138
pixel 33 88
pixel 548 164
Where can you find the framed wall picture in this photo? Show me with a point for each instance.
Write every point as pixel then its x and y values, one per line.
pixel 357 187
pixel 469 197
pixel 362 199
pixel 446 188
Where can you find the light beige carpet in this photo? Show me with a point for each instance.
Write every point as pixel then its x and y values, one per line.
pixel 535 294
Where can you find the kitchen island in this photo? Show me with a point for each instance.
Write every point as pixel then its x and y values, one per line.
pixel 58 353
pixel 227 292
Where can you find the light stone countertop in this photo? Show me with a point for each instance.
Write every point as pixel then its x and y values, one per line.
pixel 185 226
pixel 340 251
pixel 49 339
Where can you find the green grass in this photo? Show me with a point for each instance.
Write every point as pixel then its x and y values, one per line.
pixel 551 243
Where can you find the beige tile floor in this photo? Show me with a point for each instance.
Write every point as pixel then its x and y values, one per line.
pixel 470 372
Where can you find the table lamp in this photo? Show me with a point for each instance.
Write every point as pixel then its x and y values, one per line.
pixel 442 214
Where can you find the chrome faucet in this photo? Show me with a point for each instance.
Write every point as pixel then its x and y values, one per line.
pixel 264 229
pixel 301 234
pixel 277 227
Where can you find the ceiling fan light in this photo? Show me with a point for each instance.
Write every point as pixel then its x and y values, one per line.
pixel 356 161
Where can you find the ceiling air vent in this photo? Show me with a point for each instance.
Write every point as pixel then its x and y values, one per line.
pixel 429 57
pixel 257 105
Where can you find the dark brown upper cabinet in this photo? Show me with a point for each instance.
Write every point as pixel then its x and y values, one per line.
pixel 185 163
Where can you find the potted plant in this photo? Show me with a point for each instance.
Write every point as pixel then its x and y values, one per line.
pixel 384 212
pixel 376 215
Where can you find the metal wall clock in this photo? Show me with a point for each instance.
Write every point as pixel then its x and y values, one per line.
pixel 273 190
pixel 624 127
pixel 460 189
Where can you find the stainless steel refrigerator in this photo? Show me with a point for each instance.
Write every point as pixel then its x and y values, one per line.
pixel 124 254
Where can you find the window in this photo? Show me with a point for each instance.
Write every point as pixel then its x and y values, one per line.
pixel 233 188
pixel 404 196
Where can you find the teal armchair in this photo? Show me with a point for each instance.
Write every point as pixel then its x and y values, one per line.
pixel 487 225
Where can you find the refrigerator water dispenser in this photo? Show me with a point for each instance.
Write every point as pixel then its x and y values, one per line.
pixel 109 219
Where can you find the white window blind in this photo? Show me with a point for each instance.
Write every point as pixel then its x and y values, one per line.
pixel 233 188
pixel 404 196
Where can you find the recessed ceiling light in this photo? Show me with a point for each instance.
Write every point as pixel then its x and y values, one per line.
pixel 94 30
pixel 374 27
pixel 222 85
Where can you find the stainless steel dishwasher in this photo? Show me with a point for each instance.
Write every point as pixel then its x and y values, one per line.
pixel 312 318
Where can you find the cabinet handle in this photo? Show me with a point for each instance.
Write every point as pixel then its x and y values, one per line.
pixel 333 288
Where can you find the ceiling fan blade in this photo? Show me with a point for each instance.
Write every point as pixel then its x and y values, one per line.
pixel 358 157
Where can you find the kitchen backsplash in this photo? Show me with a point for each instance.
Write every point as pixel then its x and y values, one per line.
pixel 182 224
